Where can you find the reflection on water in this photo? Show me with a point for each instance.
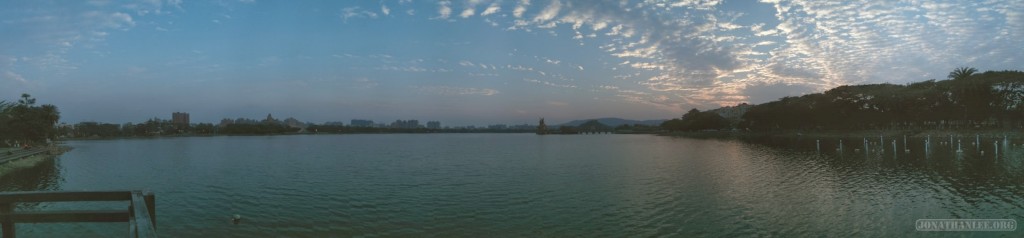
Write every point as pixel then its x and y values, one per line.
pixel 43 176
pixel 548 186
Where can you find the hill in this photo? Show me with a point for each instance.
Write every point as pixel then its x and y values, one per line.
pixel 993 99
pixel 614 122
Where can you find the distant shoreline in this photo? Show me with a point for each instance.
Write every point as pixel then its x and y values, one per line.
pixel 30 161
pixel 288 134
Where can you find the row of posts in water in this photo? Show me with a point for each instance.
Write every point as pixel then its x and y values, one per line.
pixel 927 145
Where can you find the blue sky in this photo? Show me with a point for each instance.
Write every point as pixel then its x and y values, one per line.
pixel 478 62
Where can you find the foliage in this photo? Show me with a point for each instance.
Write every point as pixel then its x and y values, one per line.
pixel 258 129
pixel 593 125
pixel 26 122
pixel 962 73
pixel 95 129
pixel 695 120
pixel 988 99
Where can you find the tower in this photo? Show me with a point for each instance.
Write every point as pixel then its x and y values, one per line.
pixel 542 128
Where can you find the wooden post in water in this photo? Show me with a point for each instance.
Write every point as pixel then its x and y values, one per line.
pixel 927 144
pixel 958 148
pixel 865 142
pixel 894 148
pixel 817 144
pixel 996 144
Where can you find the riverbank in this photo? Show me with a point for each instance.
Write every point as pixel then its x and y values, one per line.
pixel 13 159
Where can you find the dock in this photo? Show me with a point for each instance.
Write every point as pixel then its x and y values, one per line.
pixel 140 213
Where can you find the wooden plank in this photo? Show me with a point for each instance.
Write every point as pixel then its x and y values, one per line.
pixel 151 204
pixel 8 225
pixel 64 196
pixel 132 231
pixel 140 214
pixel 67 216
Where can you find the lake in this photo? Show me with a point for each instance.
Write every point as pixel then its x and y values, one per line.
pixel 525 185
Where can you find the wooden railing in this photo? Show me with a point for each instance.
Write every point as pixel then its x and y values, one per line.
pixel 140 215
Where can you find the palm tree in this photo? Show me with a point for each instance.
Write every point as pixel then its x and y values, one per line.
pixel 962 73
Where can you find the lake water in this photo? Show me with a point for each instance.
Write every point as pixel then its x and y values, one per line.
pixel 525 185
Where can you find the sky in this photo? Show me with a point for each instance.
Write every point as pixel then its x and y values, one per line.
pixel 479 62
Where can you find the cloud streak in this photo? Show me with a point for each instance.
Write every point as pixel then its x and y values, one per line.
pixel 457 91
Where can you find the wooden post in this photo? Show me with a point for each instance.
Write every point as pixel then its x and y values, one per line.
pixel 8 224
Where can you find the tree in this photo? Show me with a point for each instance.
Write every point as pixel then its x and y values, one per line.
pixel 695 120
pixel 962 73
pixel 26 122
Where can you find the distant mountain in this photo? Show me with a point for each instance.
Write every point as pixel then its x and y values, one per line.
pixel 614 122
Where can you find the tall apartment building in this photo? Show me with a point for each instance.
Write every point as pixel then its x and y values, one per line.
pixel 180 118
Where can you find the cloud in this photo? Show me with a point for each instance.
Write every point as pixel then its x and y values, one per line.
pixel 356 12
pixel 115 20
pixel 456 91
pixel 492 9
pixel 10 75
pixel 549 12
pixel 147 7
pixel 384 9
pixel 444 9
pixel 520 8
pixel 468 12
pixel 707 54
pixel 761 93
pixel 549 83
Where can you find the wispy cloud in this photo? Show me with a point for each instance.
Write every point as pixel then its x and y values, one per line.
pixel 521 8
pixel 455 91
pixel 549 83
pixel 444 9
pixel 492 9
pixel 356 12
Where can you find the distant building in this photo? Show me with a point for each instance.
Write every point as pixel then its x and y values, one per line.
pixel 497 127
pixel 225 122
pixel 179 118
pixel 270 120
pixel 361 123
pixel 433 125
pixel 295 123
pixel 410 124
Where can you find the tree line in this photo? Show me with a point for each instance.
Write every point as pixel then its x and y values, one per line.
pixel 695 120
pixel 160 127
pixel 966 100
pixel 24 123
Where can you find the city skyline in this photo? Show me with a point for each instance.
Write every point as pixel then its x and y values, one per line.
pixel 478 62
